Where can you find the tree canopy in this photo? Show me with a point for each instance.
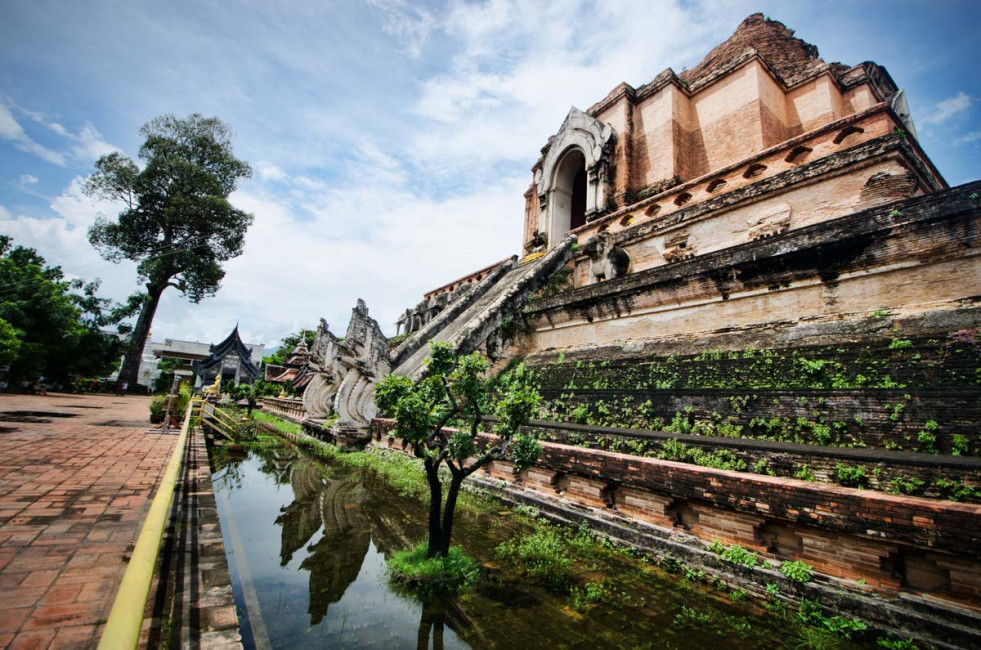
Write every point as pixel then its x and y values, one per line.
pixel 455 391
pixel 177 223
pixel 52 326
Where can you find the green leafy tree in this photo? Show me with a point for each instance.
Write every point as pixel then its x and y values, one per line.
pixel 52 326
pixel 252 392
pixel 455 391
pixel 166 366
pixel 9 343
pixel 177 224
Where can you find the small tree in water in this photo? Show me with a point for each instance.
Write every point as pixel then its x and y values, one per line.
pixel 455 392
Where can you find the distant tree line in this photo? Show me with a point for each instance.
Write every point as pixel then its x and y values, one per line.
pixel 54 327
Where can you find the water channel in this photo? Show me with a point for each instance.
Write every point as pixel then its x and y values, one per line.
pixel 307 541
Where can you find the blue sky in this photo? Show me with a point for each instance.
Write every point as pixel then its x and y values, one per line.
pixel 391 141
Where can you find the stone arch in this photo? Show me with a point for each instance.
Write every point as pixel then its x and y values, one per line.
pixel 578 155
pixel 567 197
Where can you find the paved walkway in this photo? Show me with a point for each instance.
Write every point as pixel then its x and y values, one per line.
pixel 73 494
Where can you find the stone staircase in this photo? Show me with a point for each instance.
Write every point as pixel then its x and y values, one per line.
pixel 468 326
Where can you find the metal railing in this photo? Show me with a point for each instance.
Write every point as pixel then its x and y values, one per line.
pixel 219 421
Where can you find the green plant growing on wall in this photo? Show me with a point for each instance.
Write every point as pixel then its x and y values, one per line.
pixel 955 490
pixel 927 437
pixel 851 476
pixel 959 445
pixel 804 473
pixel 762 466
pixel 906 485
pixel 797 571
pixel 739 555
pixel 455 389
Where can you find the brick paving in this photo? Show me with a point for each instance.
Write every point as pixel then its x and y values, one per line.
pixel 73 495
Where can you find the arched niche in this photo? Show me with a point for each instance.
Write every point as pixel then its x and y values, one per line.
pixel 568 194
pixel 573 176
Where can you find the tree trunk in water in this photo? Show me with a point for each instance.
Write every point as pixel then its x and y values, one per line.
pixel 130 372
pixel 444 544
pixel 435 501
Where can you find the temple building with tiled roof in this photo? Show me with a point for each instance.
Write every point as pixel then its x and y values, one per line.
pixel 292 370
pixel 231 358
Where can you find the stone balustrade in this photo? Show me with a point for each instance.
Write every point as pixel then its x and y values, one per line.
pixel 289 408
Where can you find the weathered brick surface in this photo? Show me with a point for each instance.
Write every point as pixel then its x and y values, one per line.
pixel 890 541
pixel 73 495
pixel 915 255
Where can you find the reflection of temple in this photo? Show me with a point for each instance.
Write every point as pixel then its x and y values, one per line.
pixel 301 519
pixel 334 507
pixel 335 560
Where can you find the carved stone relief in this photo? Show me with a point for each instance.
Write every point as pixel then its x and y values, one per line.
pixel 679 246
pixel 772 222
pixel 606 260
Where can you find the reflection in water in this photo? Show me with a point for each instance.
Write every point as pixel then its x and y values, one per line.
pixel 301 519
pixel 431 619
pixel 335 560
pixel 321 579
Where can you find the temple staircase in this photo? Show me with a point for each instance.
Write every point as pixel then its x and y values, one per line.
pixel 470 321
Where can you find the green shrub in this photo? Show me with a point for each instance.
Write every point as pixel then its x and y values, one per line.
pixel 851 476
pixel 541 556
pixel 158 409
pixel 959 445
pixel 739 555
pixel 928 436
pixel 956 491
pixel 812 613
pixel 413 569
pixel 906 485
pixel 584 598
pixel 797 571
pixel 804 473
pixel 894 643
pixel 720 459
pixel 691 618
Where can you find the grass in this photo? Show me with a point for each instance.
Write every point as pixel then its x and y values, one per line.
pixel 282 425
pixel 428 575
pixel 542 556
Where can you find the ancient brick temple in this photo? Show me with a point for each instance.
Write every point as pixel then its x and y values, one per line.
pixel 753 306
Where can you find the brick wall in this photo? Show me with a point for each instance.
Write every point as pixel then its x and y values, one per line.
pixel 892 542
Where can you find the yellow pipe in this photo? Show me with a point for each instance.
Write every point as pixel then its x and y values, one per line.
pixel 122 629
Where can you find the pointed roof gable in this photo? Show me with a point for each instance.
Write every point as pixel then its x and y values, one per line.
pixel 232 344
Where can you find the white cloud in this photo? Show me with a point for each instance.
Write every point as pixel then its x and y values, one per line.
pixel 79 210
pixel 11 130
pixel 269 172
pixel 972 136
pixel 410 25
pixel 27 179
pixel 89 145
pixel 943 111
pixel 520 65
pixel 64 244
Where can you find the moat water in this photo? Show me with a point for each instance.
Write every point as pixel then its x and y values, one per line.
pixel 307 542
